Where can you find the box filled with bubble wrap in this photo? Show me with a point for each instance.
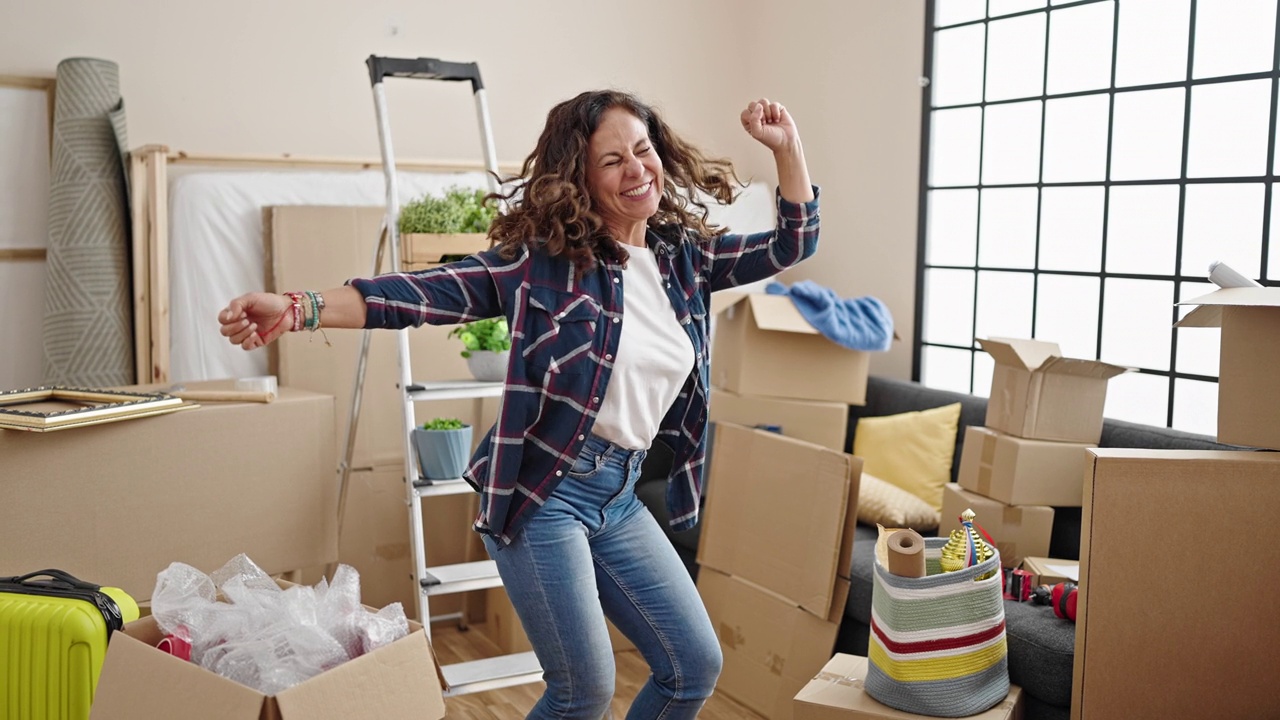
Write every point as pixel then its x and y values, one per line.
pixel 237 645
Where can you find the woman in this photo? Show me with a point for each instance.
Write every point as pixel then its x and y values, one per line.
pixel 596 213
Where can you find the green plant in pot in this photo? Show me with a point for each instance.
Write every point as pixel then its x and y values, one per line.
pixel 486 344
pixel 443 446
pixel 443 228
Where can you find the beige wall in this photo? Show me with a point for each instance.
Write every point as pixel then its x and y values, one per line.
pixel 851 72
pixel 245 76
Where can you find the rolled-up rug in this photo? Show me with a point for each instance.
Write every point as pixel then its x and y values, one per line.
pixel 88 324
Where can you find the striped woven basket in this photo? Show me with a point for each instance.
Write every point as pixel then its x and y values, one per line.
pixel 937 643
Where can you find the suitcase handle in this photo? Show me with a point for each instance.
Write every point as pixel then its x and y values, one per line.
pixel 59 576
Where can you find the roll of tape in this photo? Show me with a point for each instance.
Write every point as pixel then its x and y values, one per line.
pixel 906 554
pixel 261 383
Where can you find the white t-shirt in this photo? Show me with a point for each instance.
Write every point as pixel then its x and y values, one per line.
pixel 655 357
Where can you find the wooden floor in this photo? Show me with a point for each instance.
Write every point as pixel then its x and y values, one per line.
pixel 453 645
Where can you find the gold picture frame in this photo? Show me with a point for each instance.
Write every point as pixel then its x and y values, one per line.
pixel 44 409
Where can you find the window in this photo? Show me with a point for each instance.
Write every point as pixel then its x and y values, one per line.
pixel 1083 164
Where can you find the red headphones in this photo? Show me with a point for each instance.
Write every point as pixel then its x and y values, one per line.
pixel 1061 596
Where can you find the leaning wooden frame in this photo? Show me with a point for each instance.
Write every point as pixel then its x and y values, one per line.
pixel 36 409
pixel 149 214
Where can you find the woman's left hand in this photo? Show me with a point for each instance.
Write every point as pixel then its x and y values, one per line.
pixel 771 124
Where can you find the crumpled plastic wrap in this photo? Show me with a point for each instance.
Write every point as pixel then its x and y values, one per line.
pixel 244 627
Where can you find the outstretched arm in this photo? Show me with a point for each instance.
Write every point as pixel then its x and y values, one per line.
pixel 257 319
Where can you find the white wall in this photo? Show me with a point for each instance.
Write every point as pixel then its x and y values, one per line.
pixel 287 76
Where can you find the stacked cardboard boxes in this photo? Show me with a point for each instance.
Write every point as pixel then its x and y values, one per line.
pixel 771 368
pixel 1044 411
pixel 774 556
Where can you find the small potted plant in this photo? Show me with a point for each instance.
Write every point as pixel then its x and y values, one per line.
pixel 438 229
pixel 486 346
pixel 443 446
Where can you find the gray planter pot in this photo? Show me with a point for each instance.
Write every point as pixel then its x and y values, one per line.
pixel 442 454
pixel 488 366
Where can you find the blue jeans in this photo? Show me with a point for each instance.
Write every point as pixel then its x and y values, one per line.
pixel 594 550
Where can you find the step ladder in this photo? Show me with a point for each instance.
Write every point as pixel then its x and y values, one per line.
pixel 488 673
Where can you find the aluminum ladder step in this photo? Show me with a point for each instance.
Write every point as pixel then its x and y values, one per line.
pixel 437 488
pixel 462 577
pixel 453 390
pixel 491 673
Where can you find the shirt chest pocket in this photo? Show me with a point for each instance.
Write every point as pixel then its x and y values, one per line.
pixel 560 331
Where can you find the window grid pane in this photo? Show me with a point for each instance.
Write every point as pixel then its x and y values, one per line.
pixel 1095 211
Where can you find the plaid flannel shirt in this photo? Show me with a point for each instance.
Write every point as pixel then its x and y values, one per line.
pixel 565 332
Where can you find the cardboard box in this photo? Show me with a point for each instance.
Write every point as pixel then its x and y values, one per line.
pixel 1018 471
pixel 1051 571
pixel 1201 524
pixel 780 513
pixel 116 503
pixel 836 693
pixel 821 423
pixel 323 247
pixel 1019 530
pixel 395 682
pixel 771 646
pixel 1038 394
pixel 1248 385
pixel 764 346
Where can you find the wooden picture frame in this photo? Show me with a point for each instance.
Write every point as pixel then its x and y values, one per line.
pixel 94 407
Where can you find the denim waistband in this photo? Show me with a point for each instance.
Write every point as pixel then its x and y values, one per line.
pixel 608 449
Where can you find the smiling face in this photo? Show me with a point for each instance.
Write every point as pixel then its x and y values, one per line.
pixel 624 174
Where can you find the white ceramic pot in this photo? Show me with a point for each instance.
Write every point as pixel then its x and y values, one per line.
pixel 488 366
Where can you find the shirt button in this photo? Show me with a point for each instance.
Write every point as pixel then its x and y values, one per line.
pixel 617 320
pixel 608 357
pixel 582 437
pixel 668 284
pixel 559 473
pixel 595 400
pixel 616 280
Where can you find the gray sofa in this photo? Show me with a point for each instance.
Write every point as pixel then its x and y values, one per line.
pixel 1041 646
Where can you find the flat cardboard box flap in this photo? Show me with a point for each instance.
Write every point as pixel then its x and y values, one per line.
pixel 771 312
pixel 836 693
pixel 1045 357
pixel 1020 353
pixel 1209 312
pixel 771 647
pixel 780 513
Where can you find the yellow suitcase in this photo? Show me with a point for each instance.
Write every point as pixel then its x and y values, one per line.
pixel 53 636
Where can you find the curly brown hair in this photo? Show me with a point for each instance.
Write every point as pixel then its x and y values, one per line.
pixel 549 204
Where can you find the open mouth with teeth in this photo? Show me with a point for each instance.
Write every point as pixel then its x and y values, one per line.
pixel 638 192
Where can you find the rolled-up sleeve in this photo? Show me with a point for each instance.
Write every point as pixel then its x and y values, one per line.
pixel 738 259
pixel 459 292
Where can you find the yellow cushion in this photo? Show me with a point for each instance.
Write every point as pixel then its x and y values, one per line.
pixel 883 503
pixel 912 450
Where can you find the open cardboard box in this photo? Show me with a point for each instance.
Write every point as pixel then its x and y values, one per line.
pixel 764 346
pixel 400 681
pixel 1038 394
pixel 1248 384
